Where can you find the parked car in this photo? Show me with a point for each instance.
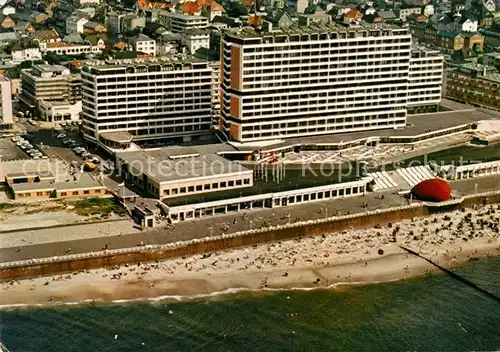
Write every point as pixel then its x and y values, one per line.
pixel 67 141
pixel 61 135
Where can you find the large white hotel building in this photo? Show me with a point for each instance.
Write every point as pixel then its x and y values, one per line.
pixel 163 97
pixel 314 80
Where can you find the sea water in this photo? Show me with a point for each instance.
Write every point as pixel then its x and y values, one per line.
pixel 435 312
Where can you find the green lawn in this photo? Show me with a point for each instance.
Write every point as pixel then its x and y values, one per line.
pixel 96 206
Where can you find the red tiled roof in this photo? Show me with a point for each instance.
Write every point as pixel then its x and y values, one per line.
pixel 190 8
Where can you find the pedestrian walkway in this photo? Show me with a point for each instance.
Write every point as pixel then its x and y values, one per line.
pixel 382 180
pixel 416 174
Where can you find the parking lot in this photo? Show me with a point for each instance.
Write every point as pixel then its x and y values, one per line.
pixel 10 151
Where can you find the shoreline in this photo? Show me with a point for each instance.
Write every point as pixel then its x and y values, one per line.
pixel 337 260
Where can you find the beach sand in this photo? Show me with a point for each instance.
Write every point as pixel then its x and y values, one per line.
pixel 350 257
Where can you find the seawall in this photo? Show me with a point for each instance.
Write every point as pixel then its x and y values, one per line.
pixel 369 219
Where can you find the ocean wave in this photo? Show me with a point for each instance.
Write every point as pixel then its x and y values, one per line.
pixel 184 298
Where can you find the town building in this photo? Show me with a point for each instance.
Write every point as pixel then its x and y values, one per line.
pixel 322 79
pixel 53 90
pixel 6 120
pixel 194 39
pixel 145 99
pixel 143 44
pixel 474 84
pixel 74 24
pixel 179 171
pixel 178 22
pixel 25 50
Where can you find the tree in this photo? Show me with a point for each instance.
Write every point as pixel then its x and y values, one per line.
pixel 236 9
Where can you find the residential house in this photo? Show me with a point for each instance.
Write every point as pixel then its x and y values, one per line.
pixel 490 5
pixel 196 38
pixel 143 44
pixel 45 36
pixel 451 41
pixel 405 12
pixel 8 10
pixel 132 21
pixel 224 22
pixel 301 5
pixel 308 19
pixel 26 49
pixel 23 27
pixel 85 12
pixel 428 10
pixel 212 9
pixel 278 19
pixel 92 27
pixel 415 18
pixel 352 16
pixel 474 42
pixel 386 16
pixel 490 37
pixel 168 44
pixel 6 22
pixel 96 41
pixel 74 24
pixel 38 17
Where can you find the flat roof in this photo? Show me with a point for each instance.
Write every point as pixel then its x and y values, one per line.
pixel 416 125
pixel 165 165
pixel 84 182
pixel 42 174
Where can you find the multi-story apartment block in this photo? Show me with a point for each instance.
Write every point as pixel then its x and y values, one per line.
pixel 425 79
pixel 316 80
pixel 47 83
pixel 6 120
pixel 146 99
pixel 53 90
pixel 178 22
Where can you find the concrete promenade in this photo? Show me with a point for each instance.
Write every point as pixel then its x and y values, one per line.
pixel 220 224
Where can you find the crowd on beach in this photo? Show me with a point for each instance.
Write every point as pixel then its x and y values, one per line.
pixel 447 233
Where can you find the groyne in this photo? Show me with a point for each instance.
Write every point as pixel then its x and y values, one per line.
pixel 368 219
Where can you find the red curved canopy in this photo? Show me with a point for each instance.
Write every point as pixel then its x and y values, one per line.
pixel 434 190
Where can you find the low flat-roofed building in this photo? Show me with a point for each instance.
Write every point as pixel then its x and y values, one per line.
pixel 180 171
pixel 85 186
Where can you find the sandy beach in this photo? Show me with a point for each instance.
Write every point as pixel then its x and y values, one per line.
pixel 351 257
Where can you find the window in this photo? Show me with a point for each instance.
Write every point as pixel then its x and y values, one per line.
pixel 215 185
pixel 246 181
pixel 191 189
pixel 183 189
pixel 223 184
pixel 39 194
pixel 199 187
pixel 20 195
pixel 86 192
pixel 63 194
pixel 97 191
pixel 231 183
pixel 238 182
pixel 75 193
pixel 207 186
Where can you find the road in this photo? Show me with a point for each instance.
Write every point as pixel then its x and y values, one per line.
pixel 215 225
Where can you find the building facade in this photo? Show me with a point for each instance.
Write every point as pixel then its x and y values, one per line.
pixel 177 22
pixel 6 120
pixel 425 79
pixel 327 79
pixel 152 99
pixel 53 91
